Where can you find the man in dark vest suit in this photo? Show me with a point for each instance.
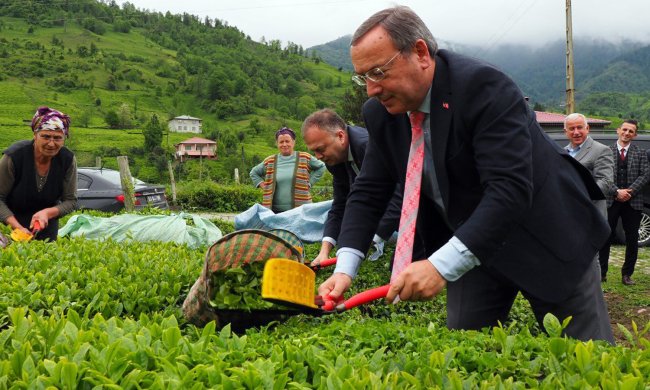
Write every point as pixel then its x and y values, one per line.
pixel 38 178
pixel 625 199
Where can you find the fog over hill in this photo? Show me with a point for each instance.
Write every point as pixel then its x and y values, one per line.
pixel 600 66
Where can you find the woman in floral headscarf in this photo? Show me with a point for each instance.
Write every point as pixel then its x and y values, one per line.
pixel 286 177
pixel 38 177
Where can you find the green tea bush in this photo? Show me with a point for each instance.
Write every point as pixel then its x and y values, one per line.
pixel 92 276
pixel 220 198
pixel 84 314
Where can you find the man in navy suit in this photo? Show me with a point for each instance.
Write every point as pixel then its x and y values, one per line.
pixel 342 148
pixel 502 208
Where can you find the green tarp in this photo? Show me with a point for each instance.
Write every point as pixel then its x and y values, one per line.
pixel 181 228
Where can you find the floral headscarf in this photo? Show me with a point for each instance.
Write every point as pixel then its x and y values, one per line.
pixel 285 130
pixel 47 118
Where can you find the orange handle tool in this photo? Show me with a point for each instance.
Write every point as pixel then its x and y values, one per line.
pixel 364 297
pixel 36 228
pixel 324 263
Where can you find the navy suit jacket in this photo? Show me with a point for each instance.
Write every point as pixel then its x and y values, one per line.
pixel 343 178
pixel 518 201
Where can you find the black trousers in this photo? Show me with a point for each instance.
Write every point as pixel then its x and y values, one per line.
pixel 630 219
pixel 483 297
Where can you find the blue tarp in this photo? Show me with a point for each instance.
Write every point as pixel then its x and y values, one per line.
pixel 306 221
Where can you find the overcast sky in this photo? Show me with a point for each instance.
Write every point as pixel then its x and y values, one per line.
pixel 484 22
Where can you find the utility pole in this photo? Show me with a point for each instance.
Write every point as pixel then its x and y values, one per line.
pixel 570 88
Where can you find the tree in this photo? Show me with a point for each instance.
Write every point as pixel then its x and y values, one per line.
pixel 124 113
pixel 306 105
pixel 112 119
pixel 153 134
pixel 353 100
pixel 85 117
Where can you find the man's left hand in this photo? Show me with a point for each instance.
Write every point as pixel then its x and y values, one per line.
pixel 418 282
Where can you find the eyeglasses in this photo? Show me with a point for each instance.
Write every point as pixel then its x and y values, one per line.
pixel 375 75
pixel 48 138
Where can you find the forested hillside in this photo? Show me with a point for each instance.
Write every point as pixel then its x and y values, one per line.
pixel 612 80
pixel 113 67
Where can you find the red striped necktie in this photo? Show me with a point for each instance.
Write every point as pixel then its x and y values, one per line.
pixel 411 200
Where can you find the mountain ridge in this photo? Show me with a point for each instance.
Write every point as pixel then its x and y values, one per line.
pixel 600 67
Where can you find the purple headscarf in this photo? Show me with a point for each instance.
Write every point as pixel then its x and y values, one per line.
pixel 285 130
pixel 47 118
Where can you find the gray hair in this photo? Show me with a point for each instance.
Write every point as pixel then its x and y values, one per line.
pixel 574 116
pixel 326 119
pixel 402 25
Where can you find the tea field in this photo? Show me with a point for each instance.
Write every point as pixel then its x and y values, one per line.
pixel 82 314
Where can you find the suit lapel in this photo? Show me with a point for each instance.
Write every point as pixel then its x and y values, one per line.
pixel 584 150
pixel 440 124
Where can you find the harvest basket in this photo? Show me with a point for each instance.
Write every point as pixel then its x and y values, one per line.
pixel 235 251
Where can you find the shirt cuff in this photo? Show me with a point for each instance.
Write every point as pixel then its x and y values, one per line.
pixel 330 240
pixel 348 261
pixel 453 260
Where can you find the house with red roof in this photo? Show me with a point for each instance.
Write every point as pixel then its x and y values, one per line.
pixel 196 147
pixel 551 121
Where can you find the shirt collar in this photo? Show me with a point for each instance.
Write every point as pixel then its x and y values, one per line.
pixel 574 150
pixel 350 157
pixel 622 147
pixel 425 107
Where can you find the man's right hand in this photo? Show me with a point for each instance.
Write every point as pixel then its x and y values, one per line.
pixel 335 285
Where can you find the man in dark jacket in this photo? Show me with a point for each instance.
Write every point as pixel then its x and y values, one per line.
pixel 500 208
pixel 342 148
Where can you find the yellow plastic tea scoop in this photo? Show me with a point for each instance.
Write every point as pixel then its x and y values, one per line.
pixel 288 281
pixel 19 235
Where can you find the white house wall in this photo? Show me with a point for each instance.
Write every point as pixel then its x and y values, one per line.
pixel 185 126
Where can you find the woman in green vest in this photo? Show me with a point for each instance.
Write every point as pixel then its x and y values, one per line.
pixel 286 177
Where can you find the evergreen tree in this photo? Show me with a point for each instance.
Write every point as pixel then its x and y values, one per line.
pixel 153 134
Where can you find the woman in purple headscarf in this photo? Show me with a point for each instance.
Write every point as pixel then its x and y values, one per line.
pixel 38 177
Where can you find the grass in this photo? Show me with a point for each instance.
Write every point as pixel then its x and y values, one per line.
pixel 628 303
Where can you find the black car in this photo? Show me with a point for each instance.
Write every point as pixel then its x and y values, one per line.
pixel 643 142
pixel 101 189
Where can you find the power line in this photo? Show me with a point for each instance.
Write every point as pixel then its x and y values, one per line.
pixel 513 20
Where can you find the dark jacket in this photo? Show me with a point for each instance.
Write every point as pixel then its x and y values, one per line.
pixel 344 176
pixel 637 174
pixel 518 201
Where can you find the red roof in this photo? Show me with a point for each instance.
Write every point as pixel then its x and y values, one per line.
pixel 552 118
pixel 197 140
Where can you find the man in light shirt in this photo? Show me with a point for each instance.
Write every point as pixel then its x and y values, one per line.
pixel 501 206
